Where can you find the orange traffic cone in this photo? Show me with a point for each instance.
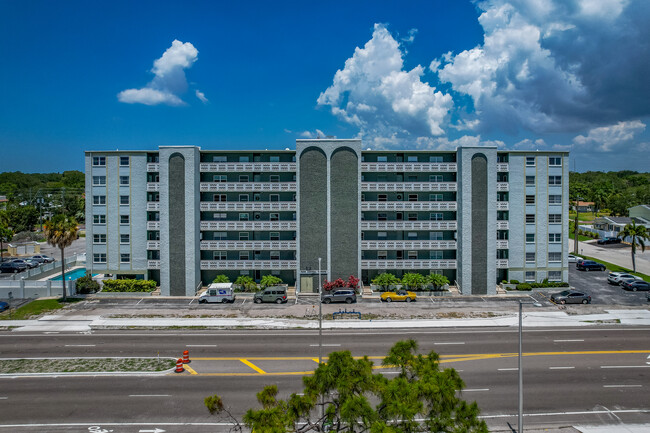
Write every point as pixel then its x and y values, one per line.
pixel 179 366
pixel 186 357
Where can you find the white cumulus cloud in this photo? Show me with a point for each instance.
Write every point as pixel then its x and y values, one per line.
pixel 610 138
pixel 201 96
pixel 169 78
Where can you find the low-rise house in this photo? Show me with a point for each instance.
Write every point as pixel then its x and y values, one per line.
pixel 584 206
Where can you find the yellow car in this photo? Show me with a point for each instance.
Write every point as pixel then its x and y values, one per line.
pixel 400 295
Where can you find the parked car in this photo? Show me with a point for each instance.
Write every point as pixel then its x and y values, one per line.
pixel 574 259
pixel 635 285
pixel 43 258
pixel 12 266
pixel 606 241
pixel 400 295
pixel 3 306
pixel 31 263
pixel 616 277
pixel 571 297
pixel 218 292
pixel 347 296
pixel 590 265
pixel 271 294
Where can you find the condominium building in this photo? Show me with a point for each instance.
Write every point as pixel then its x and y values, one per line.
pixel 182 215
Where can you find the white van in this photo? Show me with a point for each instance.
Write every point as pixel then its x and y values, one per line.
pixel 218 292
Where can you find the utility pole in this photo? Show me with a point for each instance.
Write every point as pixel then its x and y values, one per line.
pixel 575 228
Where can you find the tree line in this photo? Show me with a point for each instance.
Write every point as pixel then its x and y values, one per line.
pixel 614 191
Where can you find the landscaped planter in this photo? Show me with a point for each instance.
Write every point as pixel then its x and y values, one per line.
pixel 508 286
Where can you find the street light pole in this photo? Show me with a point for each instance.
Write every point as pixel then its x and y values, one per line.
pixel 520 417
pixel 575 235
pixel 320 317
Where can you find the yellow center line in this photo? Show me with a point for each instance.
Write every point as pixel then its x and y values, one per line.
pixel 253 366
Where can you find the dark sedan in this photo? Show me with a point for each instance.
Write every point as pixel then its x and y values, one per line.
pixel 635 285
pixel 571 297
pixel 607 241
pixel 12 267
pixel 3 306
pixel 590 265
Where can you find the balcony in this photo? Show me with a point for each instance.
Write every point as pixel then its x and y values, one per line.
pixel 410 167
pixel 248 205
pixel 248 245
pixel 153 186
pixel 153 245
pixel 153 264
pixel 408 264
pixel 153 225
pixel 247 225
pixel 503 205
pixel 153 167
pixel 408 186
pixel 283 167
pixel 502 244
pixel 502 263
pixel 408 245
pixel 408 205
pixel 408 225
pixel 503 186
pixel 225 265
pixel 153 205
pixel 502 166
pixel 503 225
pixel 248 186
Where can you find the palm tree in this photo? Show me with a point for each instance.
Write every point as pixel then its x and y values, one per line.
pixel 639 235
pixel 61 231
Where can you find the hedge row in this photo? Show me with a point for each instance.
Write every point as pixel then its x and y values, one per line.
pixel 129 286
pixel 530 286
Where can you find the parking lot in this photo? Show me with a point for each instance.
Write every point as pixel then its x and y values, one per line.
pixel 595 283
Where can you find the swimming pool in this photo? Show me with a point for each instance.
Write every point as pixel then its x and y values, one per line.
pixel 72 275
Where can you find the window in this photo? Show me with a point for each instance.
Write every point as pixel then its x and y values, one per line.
pixel 124 161
pixel 412 255
pixel 555 238
pixel 99 180
pixel 243 178
pixel 382 197
pixel 243 236
pixel 99 258
pixel 554 257
pixel 530 218
pixel 502 235
pixel 435 159
pixel 554 199
pixel 220 216
pixel 124 219
pixel 555 218
pixel 382 159
pixel 411 158
pixel 219 159
pixel 435 197
pixel 530 238
pixel 99 219
pixel 413 197
pixel 399 216
pixel 124 238
pixel 435 236
pixel 530 180
pixel 219 255
pixel 274 178
pixel 555 180
pixel 124 199
pixel 555 161
pixel 435 255
pixel 125 258
pixel 381 235
pixel 274 158
pixel 555 275
pixel 219 197
pixel 382 255
pixel 99 239
pixel 244 159
pixel 124 180
pixel 220 236
pixel 243 255
pixel 243 217
pixel 274 236
pixel 435 178
pixel 219 178
pixel 529 276
pixel 530 257
pixel 243 197
pixel 530 161
pixel 99 161
pixel 275 255
pixel 412 216
pixel 530 199
pixel 435 217
pixel 99 199
pixel 381 217
pixel 274 197
pixel 412 236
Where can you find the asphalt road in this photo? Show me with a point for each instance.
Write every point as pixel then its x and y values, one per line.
pixel 584 375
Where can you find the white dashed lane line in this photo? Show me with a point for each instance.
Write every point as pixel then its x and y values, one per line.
pixel 560 368
pixel 566 341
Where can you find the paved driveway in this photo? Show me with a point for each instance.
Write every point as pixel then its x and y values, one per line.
pixel 619 254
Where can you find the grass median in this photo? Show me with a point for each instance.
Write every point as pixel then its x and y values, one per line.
pixel 86 365
pixel 36 308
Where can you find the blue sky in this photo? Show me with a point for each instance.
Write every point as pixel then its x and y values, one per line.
pixel 518 74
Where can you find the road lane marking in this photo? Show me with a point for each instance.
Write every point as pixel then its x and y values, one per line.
pixel 566 341
pixel 80 345
pixel 442 344
pixel 560 368
pixel 190 369
pixel 624 366
pixel 325 345
pixel 621 386
pixel 508 369
pixel 149 395
pixel 476 390
pixel 200 345
pixel 4 398
pixel 253 366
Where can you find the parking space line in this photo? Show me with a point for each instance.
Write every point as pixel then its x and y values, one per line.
pixel 141 299
pixel 253 366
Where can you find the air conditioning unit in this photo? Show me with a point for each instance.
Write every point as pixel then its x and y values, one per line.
pixel 258 216
pixel 399 196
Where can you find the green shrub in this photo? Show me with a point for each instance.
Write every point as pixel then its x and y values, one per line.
pixel 514 282
pixel 245 283
pixel 86 285
pixel 524 286
pixel 437 280
pixel 413 281
pixel 129 286
pixel 270 281
pixel 221 279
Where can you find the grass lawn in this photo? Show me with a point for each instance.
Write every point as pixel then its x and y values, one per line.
pixel 36 308
pixel 581 238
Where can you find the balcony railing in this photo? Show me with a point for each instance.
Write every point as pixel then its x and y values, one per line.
pixel 282 167
pixel 247 186
pixel 409 167
pixel 153 186
pixel 153 205
pixel 248 245
pixel 408 264
pixel 502 166
pixel 153 167
pixel 408 205
pixel 153 264
pixel 503 205
pixel 153 225
pixel 502 244
pixel 502 263
pixel 248 205
pixel 502 186
pixel 153 245
pixel 408 225
pixel 503 225
pixel 408 186
pixel 248 225
pixel 247 264
pixel 408 245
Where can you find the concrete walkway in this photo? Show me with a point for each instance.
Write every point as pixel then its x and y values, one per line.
pixel 618 254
